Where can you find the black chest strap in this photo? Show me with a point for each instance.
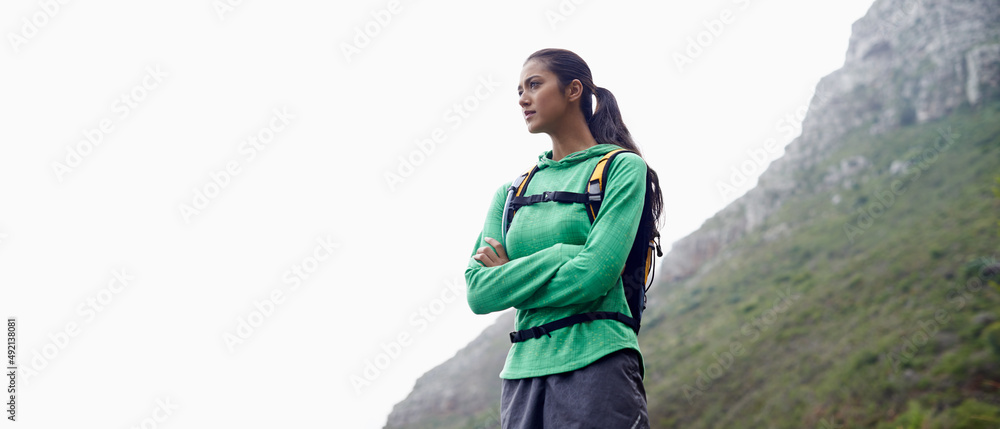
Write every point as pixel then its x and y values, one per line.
pixel 557 196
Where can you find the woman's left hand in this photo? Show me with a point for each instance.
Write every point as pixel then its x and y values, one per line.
pixel 486 256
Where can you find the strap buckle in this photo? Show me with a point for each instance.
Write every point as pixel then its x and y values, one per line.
pixel 527 334
pixel 594 191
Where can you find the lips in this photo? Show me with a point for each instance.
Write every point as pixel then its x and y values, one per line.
pixel 528 113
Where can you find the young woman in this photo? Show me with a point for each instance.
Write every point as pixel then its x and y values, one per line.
pixel 557 262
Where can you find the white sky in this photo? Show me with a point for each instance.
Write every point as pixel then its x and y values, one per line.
pixel 215 82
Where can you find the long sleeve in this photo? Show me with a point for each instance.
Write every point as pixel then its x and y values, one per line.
pixel 562 264
pixel 595 268
pixel 492 289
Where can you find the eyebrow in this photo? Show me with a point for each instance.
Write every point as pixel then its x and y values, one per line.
pixel 527 79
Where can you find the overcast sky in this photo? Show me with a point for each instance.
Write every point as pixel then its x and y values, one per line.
pixel 258 214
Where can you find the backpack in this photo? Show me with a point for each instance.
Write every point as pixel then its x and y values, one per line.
pixel 638 265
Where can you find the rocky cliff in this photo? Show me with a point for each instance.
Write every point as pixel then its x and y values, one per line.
pixel 462 388
pixel 909 62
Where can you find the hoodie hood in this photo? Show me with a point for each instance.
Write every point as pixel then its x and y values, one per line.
pixel 545 159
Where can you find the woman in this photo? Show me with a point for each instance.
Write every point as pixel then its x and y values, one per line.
pixel 556 262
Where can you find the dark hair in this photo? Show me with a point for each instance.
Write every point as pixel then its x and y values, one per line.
pixel 605 122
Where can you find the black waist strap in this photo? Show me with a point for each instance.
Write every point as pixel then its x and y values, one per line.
pixel 538 331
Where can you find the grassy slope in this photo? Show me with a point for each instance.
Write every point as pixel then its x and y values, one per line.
pixel 849 350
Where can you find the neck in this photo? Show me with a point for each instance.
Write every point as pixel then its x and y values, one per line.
pixel 572 137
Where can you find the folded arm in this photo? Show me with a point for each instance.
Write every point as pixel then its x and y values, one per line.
pixel 496 288
pixel 563 274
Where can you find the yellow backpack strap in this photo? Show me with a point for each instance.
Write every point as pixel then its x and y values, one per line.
pixel 595 186
pixel 521 183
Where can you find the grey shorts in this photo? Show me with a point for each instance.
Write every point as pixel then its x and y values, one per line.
pixel 605 394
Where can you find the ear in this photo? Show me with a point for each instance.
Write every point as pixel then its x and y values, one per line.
pixel 574 91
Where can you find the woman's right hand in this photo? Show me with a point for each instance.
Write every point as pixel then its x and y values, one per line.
pixel 486 256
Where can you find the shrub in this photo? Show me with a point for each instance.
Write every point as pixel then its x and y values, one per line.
pixel 992 336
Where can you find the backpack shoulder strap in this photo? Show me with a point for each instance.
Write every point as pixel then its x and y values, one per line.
pixel 595 186
pixel 516 189
pixel 520 184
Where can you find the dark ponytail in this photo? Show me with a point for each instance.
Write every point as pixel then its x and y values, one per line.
pixel 605 122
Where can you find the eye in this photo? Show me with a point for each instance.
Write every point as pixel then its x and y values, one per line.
pixel 531 85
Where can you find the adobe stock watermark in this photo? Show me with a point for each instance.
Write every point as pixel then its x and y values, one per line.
pixel 561 12
pixel 926 328
pixel 713 29
pixel 87 311
pixel 883 199
pixel 161 411
pixel 419 320
pixel 47 11
pixel 121 108
pixel 492 421
pixel 752 329
pixel 454 115
pixel 758 158
pixel 889 24
pixel 11 380
pixel 366 32
pixel 248 149
pixel 223 7
pixel 291 280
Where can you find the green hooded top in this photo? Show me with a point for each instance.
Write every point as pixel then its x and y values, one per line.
pixel 561 264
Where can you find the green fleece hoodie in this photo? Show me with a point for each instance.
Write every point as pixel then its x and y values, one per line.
pixel 562 265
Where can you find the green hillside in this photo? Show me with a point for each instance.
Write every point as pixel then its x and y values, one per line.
pixel 868 312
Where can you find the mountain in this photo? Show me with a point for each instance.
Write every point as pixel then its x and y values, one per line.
pixel 463 392
pixel 855 285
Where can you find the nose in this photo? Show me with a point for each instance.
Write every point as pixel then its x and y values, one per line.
pixel 523 100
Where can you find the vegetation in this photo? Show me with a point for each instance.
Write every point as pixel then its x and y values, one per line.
pixel 881 311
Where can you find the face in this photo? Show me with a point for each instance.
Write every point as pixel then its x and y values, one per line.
pixel 543 105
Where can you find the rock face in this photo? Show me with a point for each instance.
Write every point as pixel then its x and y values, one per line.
pixel 463 386
pixel 909 61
